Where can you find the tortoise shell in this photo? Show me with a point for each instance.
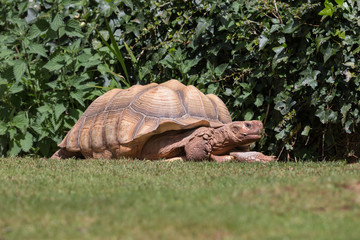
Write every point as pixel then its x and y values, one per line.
pixel 119 122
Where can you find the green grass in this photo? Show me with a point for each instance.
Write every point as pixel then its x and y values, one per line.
pixel 101 199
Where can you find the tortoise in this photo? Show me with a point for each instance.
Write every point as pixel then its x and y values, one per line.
pixel 161 121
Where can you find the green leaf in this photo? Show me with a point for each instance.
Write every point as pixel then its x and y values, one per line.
pixel 326 116
pixel 59 109
pixel 78 97
pixel 16 88
pixel 143 72
pixel 344 110
pixel 219 70
pixel 114 84
pixel 5 53
pixel 75 46
pixel 188 64
pixel 340 34
pixel 37 49
pixel 291 26
pixel 278 49
pixel 84 57
pixel 340 2
pixel 309 78
pixel 21 121
pixel 248 115
pixel 306 131
pixel 12 132
pixel 72 23
pixel 357 50
pixel 228 92
pixel 129 4
pixel 55 63
pixel 26 142
pixel 72 32
pixel 202 26
pixel 320 40
pixel 39 28
pixel 51 34
pixel 212 88
pixel 263 40
pixel 280 55
pixel 347 126
pixel 104 34
pixel 328 52
pixel 36 126
pixel 168 61
pixel 45 109
pixel 14 149
pixel 281 135
pixel 259 100
pixel 3 128
pixel 31 15
pixel 57 22
pixel 285 106
pixel 328 10
pixel 236 6
pixel 55 124
pixel 19 69
pixel 91 63
pixel 96 44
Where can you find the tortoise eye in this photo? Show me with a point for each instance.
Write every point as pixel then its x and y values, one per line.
pixel 248 125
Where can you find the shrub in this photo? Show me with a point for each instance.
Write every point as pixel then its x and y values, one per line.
pixel 47 67
pixel 291 64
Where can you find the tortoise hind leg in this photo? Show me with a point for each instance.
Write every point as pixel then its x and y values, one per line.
pixel 64 154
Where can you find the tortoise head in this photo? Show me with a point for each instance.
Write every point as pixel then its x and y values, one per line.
pixel 245 132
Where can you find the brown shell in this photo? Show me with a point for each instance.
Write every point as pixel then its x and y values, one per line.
pixel 122 116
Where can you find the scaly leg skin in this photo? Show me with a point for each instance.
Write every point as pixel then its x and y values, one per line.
pixel 175 159
pixel 252 157
pixel 220 159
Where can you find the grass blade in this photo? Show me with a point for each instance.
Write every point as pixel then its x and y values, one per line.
pixel 116 50
pixel 132 56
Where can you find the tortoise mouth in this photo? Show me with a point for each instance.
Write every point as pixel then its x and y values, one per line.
pixel 256 134
pixel 248 138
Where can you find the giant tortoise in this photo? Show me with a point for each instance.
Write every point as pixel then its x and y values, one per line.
pixel 161 121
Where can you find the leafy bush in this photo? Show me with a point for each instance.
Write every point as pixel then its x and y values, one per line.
pixel 291 64
pixel 47 65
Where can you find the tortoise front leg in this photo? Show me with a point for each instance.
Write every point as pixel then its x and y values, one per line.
pixel 198 148
pixel 223 158
pixel 175 159
pixel 252 157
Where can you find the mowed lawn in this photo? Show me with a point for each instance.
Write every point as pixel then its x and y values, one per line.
pixel 127 199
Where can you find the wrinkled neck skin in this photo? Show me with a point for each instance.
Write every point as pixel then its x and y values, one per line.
pixel 224 140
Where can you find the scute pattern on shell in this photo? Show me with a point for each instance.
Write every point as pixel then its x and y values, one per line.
pixel 121 116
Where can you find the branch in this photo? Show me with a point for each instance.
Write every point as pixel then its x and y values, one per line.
pixel 277 12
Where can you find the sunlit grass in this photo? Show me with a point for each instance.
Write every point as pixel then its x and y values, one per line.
pixel 126 199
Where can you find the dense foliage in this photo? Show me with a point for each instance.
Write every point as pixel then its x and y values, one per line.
pixel 292 64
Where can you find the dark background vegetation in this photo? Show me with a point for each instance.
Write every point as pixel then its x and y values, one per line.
pixel 292 64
